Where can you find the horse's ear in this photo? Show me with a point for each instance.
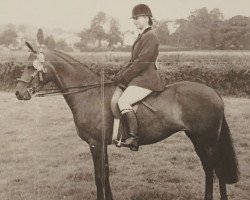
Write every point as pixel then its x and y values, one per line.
pixel 30 47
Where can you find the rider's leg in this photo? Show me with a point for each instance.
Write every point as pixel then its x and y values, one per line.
pixel 130 96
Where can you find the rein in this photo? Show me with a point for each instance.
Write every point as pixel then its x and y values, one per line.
pixel 53 92
pixel 59 92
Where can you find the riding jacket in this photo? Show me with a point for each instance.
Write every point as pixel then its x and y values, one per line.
pixel 142 70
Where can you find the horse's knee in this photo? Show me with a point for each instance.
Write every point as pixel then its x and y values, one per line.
pixel 212 151
pixel 95 147
pixel 212 155
pixel 92 148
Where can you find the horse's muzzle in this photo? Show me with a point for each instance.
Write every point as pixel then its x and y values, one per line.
pixel 23 96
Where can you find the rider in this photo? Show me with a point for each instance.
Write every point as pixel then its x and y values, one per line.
pixel 140 75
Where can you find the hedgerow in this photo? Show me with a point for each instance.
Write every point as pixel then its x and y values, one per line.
pixel 227 74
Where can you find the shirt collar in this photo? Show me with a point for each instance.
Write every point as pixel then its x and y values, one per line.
pixel 145 29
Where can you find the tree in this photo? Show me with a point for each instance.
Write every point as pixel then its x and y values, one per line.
pixel 50 42
pixel 86 37
pixel 247 35
pixel 216 15
pixel 114 34
pixel 8 37
pixel 162 31
pixel 199 29
pixel 233 33
pixel 40 37
pixel 63 46
pixel 179 36
pixel 96 28
pixel 216 18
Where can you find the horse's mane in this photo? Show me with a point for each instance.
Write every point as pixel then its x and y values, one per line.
pixel 72 62
pixel 59 53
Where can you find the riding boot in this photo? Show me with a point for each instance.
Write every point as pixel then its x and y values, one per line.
pixel 132 141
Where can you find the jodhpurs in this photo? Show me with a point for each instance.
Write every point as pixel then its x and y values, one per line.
pixel 131 95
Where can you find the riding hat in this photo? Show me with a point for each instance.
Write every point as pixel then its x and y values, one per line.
pixel 141 10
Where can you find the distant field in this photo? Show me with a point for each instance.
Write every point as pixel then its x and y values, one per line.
pixel 243 56
pixel 22 55
pixel 42 158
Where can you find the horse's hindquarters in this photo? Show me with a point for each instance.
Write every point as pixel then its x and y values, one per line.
pixel 184 106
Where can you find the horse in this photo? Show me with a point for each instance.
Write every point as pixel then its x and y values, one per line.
pixel 185 106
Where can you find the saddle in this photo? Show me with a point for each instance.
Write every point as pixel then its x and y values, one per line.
pixel 120 129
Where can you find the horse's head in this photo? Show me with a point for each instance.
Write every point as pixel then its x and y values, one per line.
pixel 35 75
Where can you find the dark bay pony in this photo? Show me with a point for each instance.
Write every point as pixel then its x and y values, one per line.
pixel 185 106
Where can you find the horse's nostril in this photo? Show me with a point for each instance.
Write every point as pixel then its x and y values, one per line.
pixel 18 95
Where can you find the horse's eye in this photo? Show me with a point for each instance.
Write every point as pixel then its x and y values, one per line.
pixel 31 67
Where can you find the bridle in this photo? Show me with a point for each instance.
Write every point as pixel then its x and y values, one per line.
pixel 30 89
pixel 53 91
pixel 41 70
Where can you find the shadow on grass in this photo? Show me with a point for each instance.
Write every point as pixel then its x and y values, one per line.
pixel 162 195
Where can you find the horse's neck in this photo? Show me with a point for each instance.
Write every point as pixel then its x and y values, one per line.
pixel 68 75
pixel 72 77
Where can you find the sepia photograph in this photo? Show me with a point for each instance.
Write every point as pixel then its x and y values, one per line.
pixel 128 100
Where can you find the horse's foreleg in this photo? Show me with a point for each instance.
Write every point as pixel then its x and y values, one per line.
pixel 223 190
pixel 209 172
pixel 100 158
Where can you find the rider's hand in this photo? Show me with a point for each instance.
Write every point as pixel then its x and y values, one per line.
pixel 118 79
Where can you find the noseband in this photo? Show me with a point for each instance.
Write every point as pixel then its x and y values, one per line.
pixel 38 64
pixel 32 89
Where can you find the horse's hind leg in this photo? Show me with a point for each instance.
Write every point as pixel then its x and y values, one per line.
pixel 207 163
pixel 209 166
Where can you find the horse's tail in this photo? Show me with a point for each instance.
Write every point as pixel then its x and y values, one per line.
pixel 227 169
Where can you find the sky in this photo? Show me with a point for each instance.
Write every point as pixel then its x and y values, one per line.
pixel 77 14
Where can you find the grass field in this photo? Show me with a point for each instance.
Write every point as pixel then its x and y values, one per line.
pixel 41 157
